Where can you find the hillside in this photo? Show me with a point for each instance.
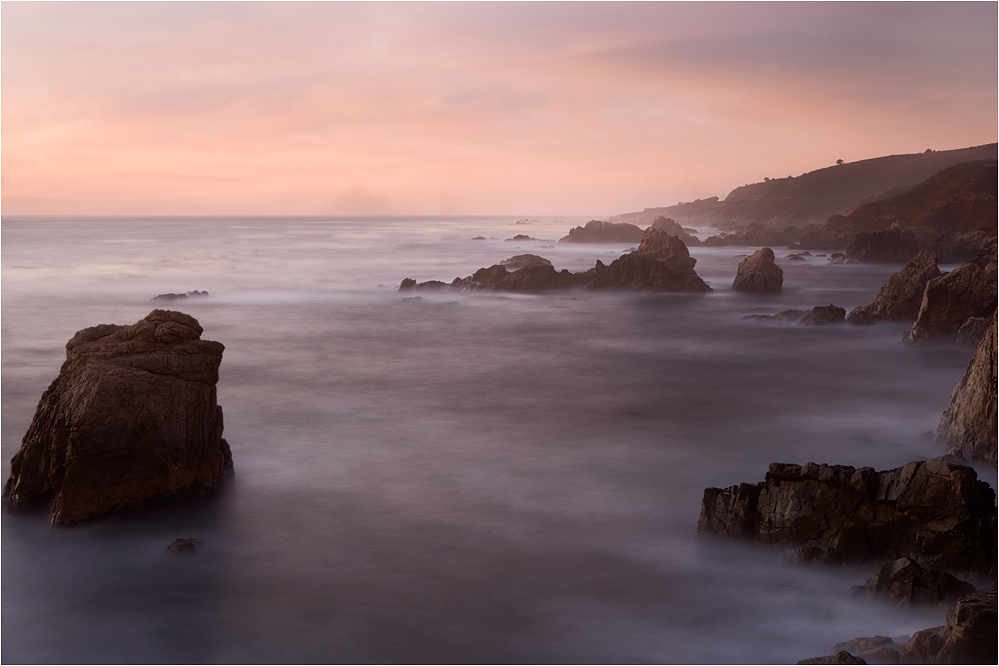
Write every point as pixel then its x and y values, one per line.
pixel 814 197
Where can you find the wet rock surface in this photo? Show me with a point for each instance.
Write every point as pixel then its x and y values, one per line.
pixel 968 426
pixel 759 273
pixel 899 299
pixel 131 418
pixel 935 512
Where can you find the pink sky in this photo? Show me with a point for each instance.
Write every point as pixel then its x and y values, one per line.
pixel 470 108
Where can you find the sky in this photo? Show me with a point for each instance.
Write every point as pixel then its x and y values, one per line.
pixel 469 108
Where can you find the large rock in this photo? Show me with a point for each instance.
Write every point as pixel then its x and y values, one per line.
pixel 951 299
pixel 597 231
pixel 895 245
pixel 521 260
pixel 661 263
pixel 903 582
pixel 968 426
pixel 132 417
pixel 900 297
pixel 934 512
pixel 969 637
pixel 671 227
pixel 758 272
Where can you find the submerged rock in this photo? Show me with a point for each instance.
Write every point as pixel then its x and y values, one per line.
pixel 183 547
pixel 903 582
pixel 899 299
pixel 934 512
pixel 968 426
pixel 597 231
pixel 759 273
pixel 132 417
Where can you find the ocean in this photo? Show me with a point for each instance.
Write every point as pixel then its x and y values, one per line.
pixel 454 477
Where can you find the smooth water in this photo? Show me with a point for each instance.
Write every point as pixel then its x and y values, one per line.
pixel 454 477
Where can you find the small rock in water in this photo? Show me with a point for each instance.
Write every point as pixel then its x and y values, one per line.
pixel 187 546
pixel 173 297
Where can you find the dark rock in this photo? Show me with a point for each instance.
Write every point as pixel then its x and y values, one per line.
pixel 407 283
pixel 968 426
pixel 969 637
pixel 759 273
pixel 661 263
pixel 895 245
pixel 860 645
pixel 900 297
pixel 597 231
pixel 951 299
pixel 971 332
pixel 521 237
pixel 183 547
pixel 795 257
pixel 837 258
pixel 673 229
pixel 903 582
pixel 755 235
pixel 823 314
pixel 521 260
pixel 131 418
pixel 934 512
pixel 841 657
pixel 479 238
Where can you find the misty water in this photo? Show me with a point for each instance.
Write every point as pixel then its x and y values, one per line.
pixel 456 477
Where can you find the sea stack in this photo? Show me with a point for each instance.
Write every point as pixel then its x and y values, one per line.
pixel 758 272
pixel 132 417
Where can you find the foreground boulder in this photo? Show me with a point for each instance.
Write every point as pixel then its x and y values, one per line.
pixel 968 426
pixel 759 273
pixel 951 299
pixel 597 231
pixel 901 296
pixel 132 417
pixel 934 512
pixel 969 637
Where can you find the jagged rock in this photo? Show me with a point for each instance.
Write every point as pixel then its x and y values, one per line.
pixel 934 512
pixel 968 426
pixel 478 238
pixel 183 547
pixel 759 273
pixel 132 417
pixel 597 231
pixel 969 637
pixel 521 260
pixel 904 582
pixel 521 237
pixel 951 299
pixel 673 229
pixel 841 657
pixel 823 314
pixel 900 297
pixel 971 332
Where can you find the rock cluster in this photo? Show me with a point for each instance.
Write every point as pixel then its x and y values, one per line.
pixel 597 231
pixel 817 316
pixel 759 273
pixel 903 582
pixel 132 417
pixel 661 263
pixel 968 426
pixel 934 512
pixel 899 299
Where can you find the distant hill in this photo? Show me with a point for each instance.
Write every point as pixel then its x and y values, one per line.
pixel 813 197
pixel 960 199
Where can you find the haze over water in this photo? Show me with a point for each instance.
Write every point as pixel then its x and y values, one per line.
pixel 454 477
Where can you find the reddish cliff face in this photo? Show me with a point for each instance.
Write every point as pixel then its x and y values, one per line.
pixel 132 417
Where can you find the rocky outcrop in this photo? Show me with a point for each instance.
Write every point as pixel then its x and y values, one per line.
pixel 522 260
pixel 673 229
pixel 177 297
pixel 969 637
pixel 935 512
pixel 899 299
pixel 968 426
pixel 759 273
pixel 822 315
pixel 597 231
pixel 951 299
pixel 841 657
pixel 661 263
pixel 896 244
pixel 903 582
pixel 131 418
